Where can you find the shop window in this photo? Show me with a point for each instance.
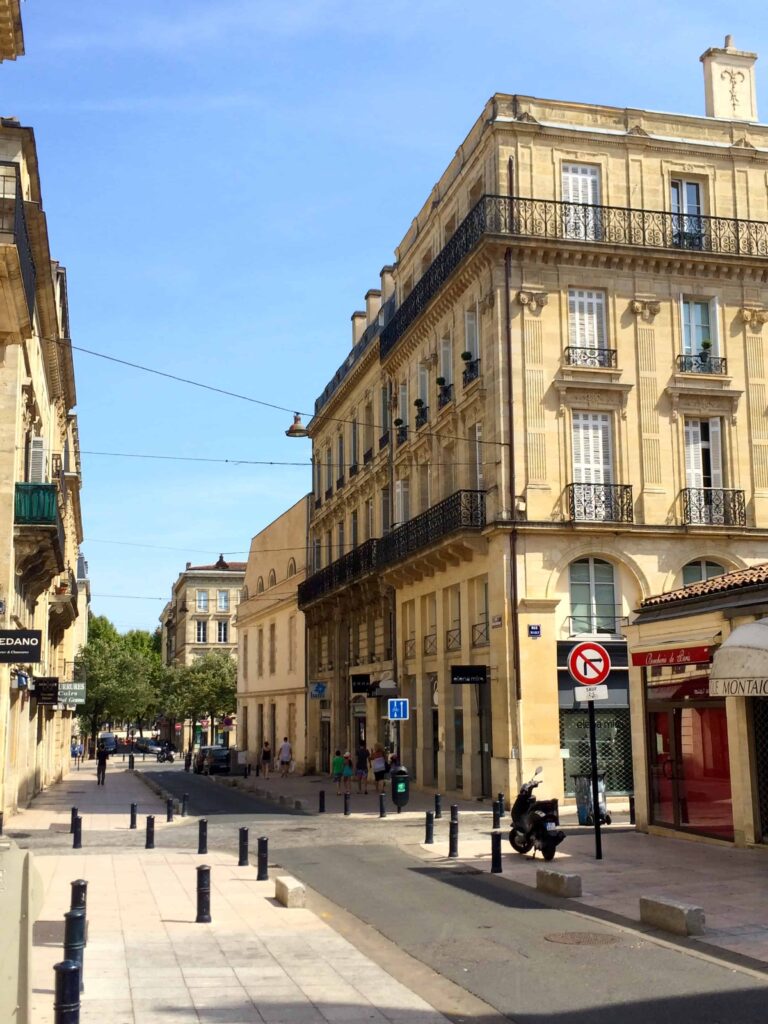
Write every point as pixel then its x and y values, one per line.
pixel 594 609
pixel 614 747
pixel 701 570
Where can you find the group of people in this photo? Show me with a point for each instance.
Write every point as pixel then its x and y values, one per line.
pixel 344 768
pixel 284 758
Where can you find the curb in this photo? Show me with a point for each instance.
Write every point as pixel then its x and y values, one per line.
pixel 159 791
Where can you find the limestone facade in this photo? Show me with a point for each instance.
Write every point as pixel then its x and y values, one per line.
pixel 271 681
pixel 11 30
pixel 201 616
pixel 555 405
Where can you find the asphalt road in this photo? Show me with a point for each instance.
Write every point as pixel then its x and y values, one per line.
pixel 531 963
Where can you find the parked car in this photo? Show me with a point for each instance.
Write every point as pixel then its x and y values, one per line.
pixel 211 759
pixel 146 745
pixel 109 740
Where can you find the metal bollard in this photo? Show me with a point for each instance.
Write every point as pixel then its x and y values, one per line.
pixel 500 800
pixel 79 895
pixel 321 802
pixel 203 894
pixel 77 836
pixel 74 938
pixel 202 836
pixel 454 812
pixel 66 1000
pixel 262 863
pixel 496 815
pixel 496 853
pixel 347 810
pixel 382 806
pixel 150 841
pixel 131 762
pixel 72 816
pixel 123 757
pixel 429 838
pixel 453 838
pixel 631 812
pixel 438 806
pixel 134 812
pixel 243 851
pixel 169 809
pixel 184 805
pixel 143 755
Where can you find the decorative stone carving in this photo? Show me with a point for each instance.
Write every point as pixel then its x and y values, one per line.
pixel 637 130
pixel 533 301
pixel 742 143
pixel 646 309
pixel 526 118
pixel 487 302
pixel 754 316
pixel 704 402
pixel 595 395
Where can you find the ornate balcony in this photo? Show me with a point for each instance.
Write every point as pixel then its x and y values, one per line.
pixel 402 435
pixel 339 482
pixel 318 503
pixel 38 536
pixel 430 644
pixel 600 226
pixel 422 416
pixel 453 639
pixel 712 506
pixel 328 493
pixel 576 355
pixel 480 636
pixel 409 648
pixel 464 510
pixel 600 503
pixel 599 620
pixel 62 604
pixel 384 440
pixel 349 567
pixel 471 372
pixel 702 362
pixel 353 470
pixel 367 456
pixel 444 395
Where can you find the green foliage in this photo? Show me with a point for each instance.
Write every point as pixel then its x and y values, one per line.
pixel 208 687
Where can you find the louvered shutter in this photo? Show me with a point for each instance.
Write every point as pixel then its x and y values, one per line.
pixel 424 384
pixel 586 316
pixel 470 332
pixel 446 360
pixel 478 457
pixel 716 452
pixel 37 461
pixel 694 472
pixel 592 457
pixel 402 411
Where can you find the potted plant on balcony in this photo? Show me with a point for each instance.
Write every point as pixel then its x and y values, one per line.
pixel 398 422
pixel 418 402
pixel 467 357
pixel 705 352
pixel 440 382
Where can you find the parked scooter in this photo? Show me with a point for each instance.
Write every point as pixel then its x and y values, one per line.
pixel 534 822
pixel 165 755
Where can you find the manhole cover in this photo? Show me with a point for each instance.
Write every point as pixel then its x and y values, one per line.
pixel 582 938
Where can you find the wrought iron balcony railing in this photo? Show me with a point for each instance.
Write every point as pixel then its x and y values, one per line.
pixel 598 503
pixel 402 435
pixel 430 644
pixel 318 502
pixel 367 456
pixel 576 355
pixel 409 648
pixel 422 416
pixel 702 362
pixel 384 440
pixel 444 395
pixel 599 620
pixel 13 222
pixel 513 216
pixel 339 482
pixel 464 510
pixel 471 372
pixel 353 470
pixel 480 636
pixel 328 493
pixel 349 567
pixel 453 639
pixel 713 506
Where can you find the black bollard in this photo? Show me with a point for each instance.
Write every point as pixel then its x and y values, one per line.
pixel 74 938
pixel 1 822
pixel 382 806
pixel 500 801
pixel 79 896
pixel 184 805
pixel 454 812
pixel 347 811
pixel 202 836
pixel 143 755
pixel 134 812
pixel 429 838
pixel 66 1000
pixel 496 853
pixel 123 757
pixel 496 815
pixel 150 841
pixel 131 762
pixel 169 809
pixel 453 838
pixel 203 894
pixel 243 858
pixel 72 816
pixel 438 806
pixel 77 837
pixel 631 812
pixel 321 802
pixel 262 862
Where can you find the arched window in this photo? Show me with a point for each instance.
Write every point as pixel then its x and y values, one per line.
pixel 699 570
pixel 272 578
pixel 260 586
pixel 593 597
pixel 291 567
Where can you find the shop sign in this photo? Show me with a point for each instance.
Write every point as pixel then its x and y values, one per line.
pixel 361 683
pixel 317 690
pixel 21 645
pixel 756 687
pixel 673 656
pixel 469 675
pixel 534 631
pixel 72 693
pixel 47 690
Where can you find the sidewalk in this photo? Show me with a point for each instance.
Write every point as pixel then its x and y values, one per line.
pixel 147 959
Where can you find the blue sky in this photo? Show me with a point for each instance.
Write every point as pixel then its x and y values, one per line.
pixel 224 180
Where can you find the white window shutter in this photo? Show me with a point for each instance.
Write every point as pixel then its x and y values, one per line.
pixel 424 384
pixel 446 360
pixel 716 451
pixel 599 319
pixel 403 403
pixel 686 327
pixel 694 473
pixel 592 455
pixel 714 325
pixel 37 460
pixel 470 332
pixel 578 448
pixel 478 442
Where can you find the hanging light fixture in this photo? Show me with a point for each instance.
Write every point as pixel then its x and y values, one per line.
pixel 297 428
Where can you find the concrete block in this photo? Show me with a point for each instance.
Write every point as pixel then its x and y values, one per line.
pixel 299 805
pixel 671 916
pixel 290 892
pixel 557 883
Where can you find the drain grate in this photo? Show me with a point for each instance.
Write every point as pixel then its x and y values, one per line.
pixel 582 938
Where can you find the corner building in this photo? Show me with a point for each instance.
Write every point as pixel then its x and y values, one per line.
pixel 554 407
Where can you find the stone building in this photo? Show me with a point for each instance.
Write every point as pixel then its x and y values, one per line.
pixel 554 407
pixel 271 680
pixel 201 615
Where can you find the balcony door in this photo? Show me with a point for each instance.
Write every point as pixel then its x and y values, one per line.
pixel 704 470
pixel 687 225
pixel 592 466
pixel 581 194
pixel 586 327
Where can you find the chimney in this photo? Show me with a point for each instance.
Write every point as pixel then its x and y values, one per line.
pixel 358 326
pixel 189 565
pixel 387 283
pixel 372 304
pixel 729 82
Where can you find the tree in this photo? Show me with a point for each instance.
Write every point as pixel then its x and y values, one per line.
pixel 206 688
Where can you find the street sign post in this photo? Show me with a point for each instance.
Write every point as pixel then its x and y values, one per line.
pixel 398 709
pixel 590 664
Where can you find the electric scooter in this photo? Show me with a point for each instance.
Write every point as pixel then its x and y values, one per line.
pixel 534 822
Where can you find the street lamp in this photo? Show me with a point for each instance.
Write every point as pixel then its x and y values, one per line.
pixel 297 428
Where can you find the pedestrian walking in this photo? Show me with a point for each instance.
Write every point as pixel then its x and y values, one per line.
pixel 73 750
pixel 379 766
pixel 347 771
pixel 102 756
pixel 285 756
pixel 337 770
pixel 79 751
pixel 362 763
pixel 266 759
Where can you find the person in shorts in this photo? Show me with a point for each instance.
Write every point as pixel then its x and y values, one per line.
pixel 362 762
pixel 347 772
pixel 379 766
pixel 285 756
pixel 266 759
pixel 337 769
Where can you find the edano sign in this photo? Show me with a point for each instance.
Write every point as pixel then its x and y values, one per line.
pixel 20 645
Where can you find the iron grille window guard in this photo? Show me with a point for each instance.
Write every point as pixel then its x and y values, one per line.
pixel 600 620
pixel 430 644
pixel 444 395
pixel 328 493
pixel 480 635
pixel 422 416
pixel 367 456
pixel 701 362
pixel 453 639
pixel 353 470
pixel 598 503
pixel 410 648
pixel 713 506
pixel 384 440
pixel 339 482
pixel 402 435
pixel 471 372
pixel 576 355
pixel 595 225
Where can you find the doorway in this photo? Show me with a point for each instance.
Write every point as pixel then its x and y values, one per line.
pixel 325 744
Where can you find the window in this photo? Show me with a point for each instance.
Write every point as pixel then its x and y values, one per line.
pixel 698 319
pixel 340 455
pixel 704 471
pixel 687 225
pixel 402 404
pixel 581 191
pixel 36 461
pixel 202 600
pixel 245 654
pixel 592 463
pixel 370 524
pixel 477 481
pixel 424 385
pixel 384 400
pixel 340 538
pixel 446 360
pixel 222 631
pixel 353 445
pixel 586 318
pixel 471 339
pixel 260 585
pixel 425 486
pixel 385 511
pixel 272 578
pixel 201 631
pixel 317 557
pixel 316 476
pixel 328 547
pixel 291 567
pixel 593 597
pixel 353 532
pixel 260 652
pixel 292 643
pixel 222 600
pixel 402 501
pixel 701 570
pixel 272 648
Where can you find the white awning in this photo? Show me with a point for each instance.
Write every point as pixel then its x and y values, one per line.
pixel 740 666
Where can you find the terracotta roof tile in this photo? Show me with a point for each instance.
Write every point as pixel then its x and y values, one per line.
pixel 717 585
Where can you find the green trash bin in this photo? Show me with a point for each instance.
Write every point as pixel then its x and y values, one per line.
pixel 583 786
